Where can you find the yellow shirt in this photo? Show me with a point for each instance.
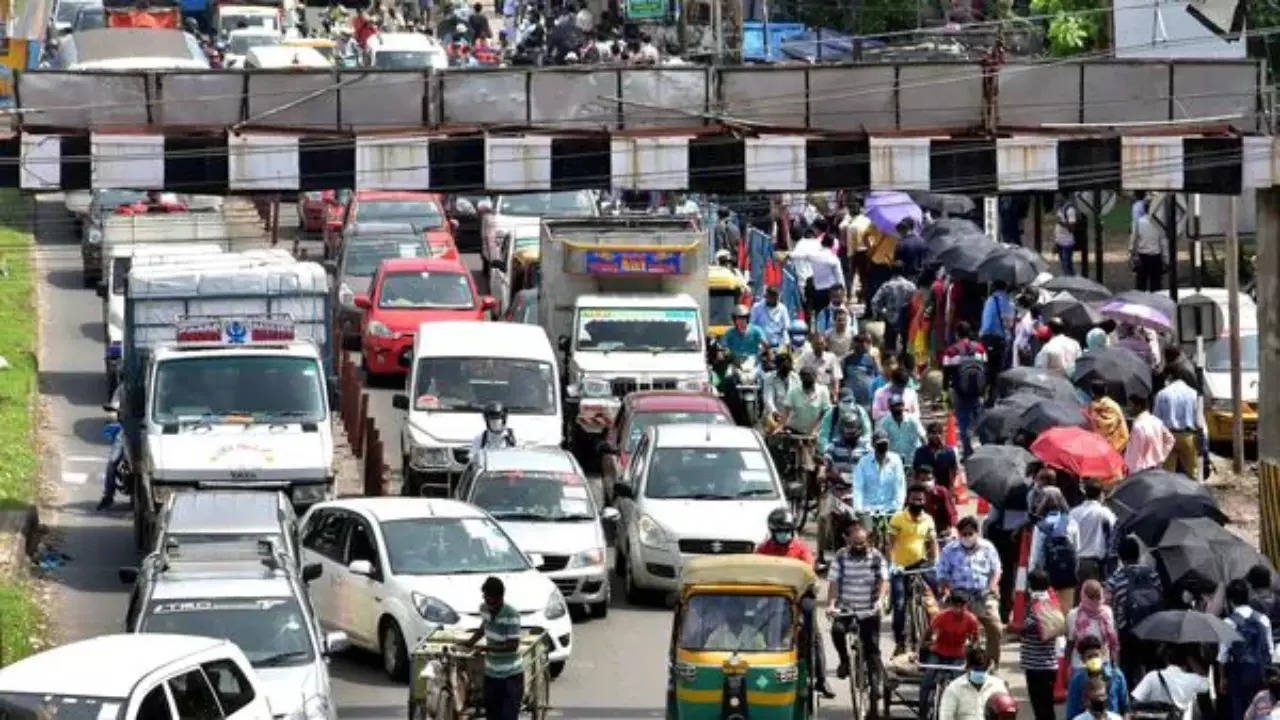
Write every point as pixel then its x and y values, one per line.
pixel 880 247
pixel 911 538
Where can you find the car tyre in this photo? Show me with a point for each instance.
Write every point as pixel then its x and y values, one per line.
pixel 556 668
pixel 395 655
pixel 635 594
pixel 599 610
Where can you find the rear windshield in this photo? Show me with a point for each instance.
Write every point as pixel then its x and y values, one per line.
pixel 33 706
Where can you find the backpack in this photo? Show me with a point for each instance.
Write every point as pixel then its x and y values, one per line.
pixel 971 374
pixel 1156 709
pixel 1254 646
pixel 1268 604
pixel 1142 597
pixel 1059 553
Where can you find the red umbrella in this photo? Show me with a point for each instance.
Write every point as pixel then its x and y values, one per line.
pixel 1081 452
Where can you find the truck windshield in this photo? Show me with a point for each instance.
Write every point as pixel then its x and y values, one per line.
pixel 264 387
pixel 639 329
pixel 272 632
pixel 1217 354
pixel 525 387
pixel 572 202
pixel 241 43
pixel 36 706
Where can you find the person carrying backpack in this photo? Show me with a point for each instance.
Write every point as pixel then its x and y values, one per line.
pixel 1263 598
pixel 964 367
pixel 1055 544
pixel 1245 659
pixel 1134 592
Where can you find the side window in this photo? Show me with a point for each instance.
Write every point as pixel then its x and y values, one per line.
pixel 636 475
pixel 468 479
pixel 323 534
pixel 618 432
pixel 155 706
pixel 233 689
pixel 362 545
pixel 193 698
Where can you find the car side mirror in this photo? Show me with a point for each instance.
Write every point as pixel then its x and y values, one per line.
pixel 127 575
pixel 311 571
pixel 363 301
pixel 489 302
pixel 361 567
pixel 403 358
pixel 623 490
pixel 400 401
pixel 563 343
pixel 101 290
pixel 610 515
pixel 484 207
pixel 336 642
pixel 536 559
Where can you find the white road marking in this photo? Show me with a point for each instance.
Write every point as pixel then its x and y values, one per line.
pixel 95 459
pixel 74 478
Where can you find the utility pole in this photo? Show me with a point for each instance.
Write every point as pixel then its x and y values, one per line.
pixel 1171 229
pixel 1233 312
pixel 1097 239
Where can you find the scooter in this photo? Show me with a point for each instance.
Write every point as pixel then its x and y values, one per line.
pixel 748 388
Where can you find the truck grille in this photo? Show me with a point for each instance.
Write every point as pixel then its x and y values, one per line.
pixel 717 547
pixel 551 563
pixel 624 385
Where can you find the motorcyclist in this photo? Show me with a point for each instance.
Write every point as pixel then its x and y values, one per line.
pixel 844 437
pixel 744 340
pixel 797 338
pixel 496 434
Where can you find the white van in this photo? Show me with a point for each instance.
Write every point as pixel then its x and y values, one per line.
pixel 1217 359
pixel 456 370
pixel 406 51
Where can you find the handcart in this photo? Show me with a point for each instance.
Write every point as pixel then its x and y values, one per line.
pixel 447 678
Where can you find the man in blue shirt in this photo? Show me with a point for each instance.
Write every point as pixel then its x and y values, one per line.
pixel 860 370
pixel 879 482
pixel 743 339
pixel 996 332
pixel 825 318
pixel 772 317
pixel 972 564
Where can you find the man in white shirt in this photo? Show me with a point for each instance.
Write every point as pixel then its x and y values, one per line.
pixel 821 256
pixel 1148 252
pixel 1096 523
pixel 1244 660
pixel 1060 351
pixel 824 363
pixel 1174 685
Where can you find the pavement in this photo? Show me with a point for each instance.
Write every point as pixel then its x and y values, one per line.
pixel 618 666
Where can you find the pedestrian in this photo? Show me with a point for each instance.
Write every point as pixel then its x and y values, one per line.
pixel 1098 706
pixel 1263 598
pixel 1134 594
pixel 1055 544
pixel 1096 669
pixel 857 585
pixel 888 304
pixel 899 385
pixel 1177 366
pixel 1025 344
pixel 937 502
pixel 913 545
pixel 1134 339
pixel 965 698
pixel 840 336
pixel 1091 618
pixel 1150 442
pixel 114 433
pixel 1044 624
pixel 949 632
pixel 771 316
pixel 845 435
pixel 728 237
pixel 1175 686
pixel 911 249
pixel 1148 253
pixel 964 368
pixel 881 252
pixel 1096 522
pixel 996 331
pixel 1064 232
pixel 825 319
pixel 823 363
pixel 1244 660
pixel 860 370
pixel 1060 352
pixel 971 563
pixel 1267 698
pixel 828 273
pixel 1106 417
pixel 503 669
pixel 1181 409
pixel 937 456
pixel 904 431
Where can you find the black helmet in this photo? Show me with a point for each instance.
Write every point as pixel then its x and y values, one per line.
pixel 495 410
pixel 782 520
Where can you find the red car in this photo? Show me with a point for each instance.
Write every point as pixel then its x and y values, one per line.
pixel 644 408
pixel 423 211
pixel 407 292
pixel 316 208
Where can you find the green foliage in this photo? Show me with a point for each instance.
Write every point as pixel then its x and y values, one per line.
pixel 18 347
pixel 1072 31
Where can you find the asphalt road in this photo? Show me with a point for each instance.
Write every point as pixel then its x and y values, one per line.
pixel 618 666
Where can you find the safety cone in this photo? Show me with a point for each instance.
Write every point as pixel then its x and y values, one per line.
pixel 952 436
pixel 960 488
pixel 1061 681
pixel 1018 616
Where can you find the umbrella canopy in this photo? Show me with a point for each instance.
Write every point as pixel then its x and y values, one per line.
pixel 1185 627
pixel 1199 554
pixel 1142 488
pixel 1137 314
pixel 1009 266
pixel 1032 257
pixel 1163 303
pixel 1000 423
pixel 1080 452
pixel 1044 383
pixel 1080 287
pixel 966 255
pixel 993 470
pixel 1151 520
pixel 1073 312
pixel 1120 369
pixel 1051 414
pixel 942 203
pixel 887 208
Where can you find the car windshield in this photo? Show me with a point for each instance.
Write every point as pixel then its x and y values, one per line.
pixel 67 10
pixel 644 420
pixel 570 202
pixel 722 304
pixel 545 496
pixel 272 632
pixel 1217 354
pixel 421 214
pixel 726 623
pixel 363 256
pixel 91 18
pixel 449 546
pixel 426 289
pixel 401 59
pixel 109 200
pixel 524 387
pixel 232 22
pixel 709 474
pixel 241 43
pixel 120 267
pixel 639 329
pixel 264 388
pixel 43 706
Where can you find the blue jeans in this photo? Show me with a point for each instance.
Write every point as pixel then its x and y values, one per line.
pixel 1066 260
pixel 898 595
pixel 109 476
pixel 967 415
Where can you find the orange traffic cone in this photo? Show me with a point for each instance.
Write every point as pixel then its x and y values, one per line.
pixel 1018 616
pixel 960 488
pixel 1064 677
pixel 952 436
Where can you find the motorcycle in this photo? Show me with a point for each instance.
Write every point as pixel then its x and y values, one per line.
pixel 748 383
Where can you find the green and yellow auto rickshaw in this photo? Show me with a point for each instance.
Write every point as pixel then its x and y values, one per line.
pixel 740 646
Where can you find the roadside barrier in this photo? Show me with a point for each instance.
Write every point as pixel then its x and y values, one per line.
pixel 1269 510
pixel 362 433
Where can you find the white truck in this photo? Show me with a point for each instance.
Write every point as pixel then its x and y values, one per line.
pixel 111 230
pixel 227 382
pixel 625 300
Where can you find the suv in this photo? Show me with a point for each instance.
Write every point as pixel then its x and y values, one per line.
pixel 229 517
pixel 135 677
pixel 688 490
pixel 255 598
pixel 542 499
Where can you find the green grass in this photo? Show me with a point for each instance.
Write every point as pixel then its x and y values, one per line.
pixel 19 620
pixel 18 346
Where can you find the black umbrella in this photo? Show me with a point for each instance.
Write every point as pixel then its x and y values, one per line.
pixel 993 470
pixel 1031 256
pixel 1151 520
pixel 1120 369
pixel 1011 267
pixel 1142 488
pixel 1163 303
pixel 1080 287
pixel 1199 555
pixel 1185 627
pixel 1050 414
pixel 966 255
pixel 999 423
pixel 942 203
pixel 1071 311
pixel 1044 383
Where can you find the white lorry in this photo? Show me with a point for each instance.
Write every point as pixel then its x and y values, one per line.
pixel 113 230
pixel 227 382
pixel 625 299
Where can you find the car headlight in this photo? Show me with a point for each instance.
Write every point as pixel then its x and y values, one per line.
pixel 347 296
pixel 593 387
pixel 587 558
pixel 315 707
pixel 433 609
pixel 428 456
pixel 380 329
pixel 652 534
pixel 555 606
pixel 308 494
pixel 694 384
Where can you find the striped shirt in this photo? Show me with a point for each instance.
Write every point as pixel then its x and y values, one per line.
pixel 858 579
pixel 1118 586
pixel 504 626
pixel 1037 654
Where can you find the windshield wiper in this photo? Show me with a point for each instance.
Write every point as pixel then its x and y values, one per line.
pixel 698 496
pixel 520 516
pixel 281 658
pixel 755 491
pixel 574 518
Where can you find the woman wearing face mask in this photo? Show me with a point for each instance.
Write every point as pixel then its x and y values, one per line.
pixel 1268 698
pixel 966 697
pixel 1093 617
pixel 1097 705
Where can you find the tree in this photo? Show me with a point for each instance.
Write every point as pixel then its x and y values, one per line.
pixel 1076 26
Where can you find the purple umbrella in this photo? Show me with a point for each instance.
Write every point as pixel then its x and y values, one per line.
pixel 887 208
pixel 1136 314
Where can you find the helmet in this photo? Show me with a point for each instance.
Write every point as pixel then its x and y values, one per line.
pixel 495 410
pixel 1001 706
pixel 741 311
pixel 781 519
pixel 798 327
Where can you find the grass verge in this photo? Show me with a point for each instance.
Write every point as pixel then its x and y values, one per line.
pixel 20 619
pixel 18 347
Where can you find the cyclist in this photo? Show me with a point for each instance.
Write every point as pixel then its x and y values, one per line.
pixel 841 450
pixel 879 482
pixel 949 633
pixel 971 563
pixel 784 542
pixel 913 545
pixel 967 696
pixel 857 585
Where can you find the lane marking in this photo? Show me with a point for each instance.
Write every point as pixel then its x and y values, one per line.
pixel 75 478
pixel 85 459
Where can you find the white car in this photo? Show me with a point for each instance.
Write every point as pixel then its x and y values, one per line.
pixel 396 569
pixel 241 41
pixel 511 224
pixel 688 490
pixel 542 499
pixel 135 677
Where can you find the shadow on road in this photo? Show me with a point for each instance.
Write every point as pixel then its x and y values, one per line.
pixel 94 331
pixel 66 279
pixel 95 551
pixel 90 431
pixel 79 388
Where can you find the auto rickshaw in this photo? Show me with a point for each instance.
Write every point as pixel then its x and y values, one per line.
pixel 728 288
pixel 740 646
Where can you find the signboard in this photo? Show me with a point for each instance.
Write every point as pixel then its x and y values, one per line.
pixel 646 9
pixel 633 262
pixel 234 331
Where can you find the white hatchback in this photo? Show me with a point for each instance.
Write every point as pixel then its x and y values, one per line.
pixel 395 569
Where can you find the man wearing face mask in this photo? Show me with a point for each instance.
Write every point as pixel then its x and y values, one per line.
pixel 966 697
pixel 971 563
pixel 913 544
pixel 783 542
pixel 856 587
pixel 496 434
pixel 879 482
pixel 1097 705
pixel 1096 669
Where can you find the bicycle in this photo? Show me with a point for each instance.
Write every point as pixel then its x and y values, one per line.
pixel 945 674
pixel 799 473
pixel 914 590
pixel 879 529
pixel 864 689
